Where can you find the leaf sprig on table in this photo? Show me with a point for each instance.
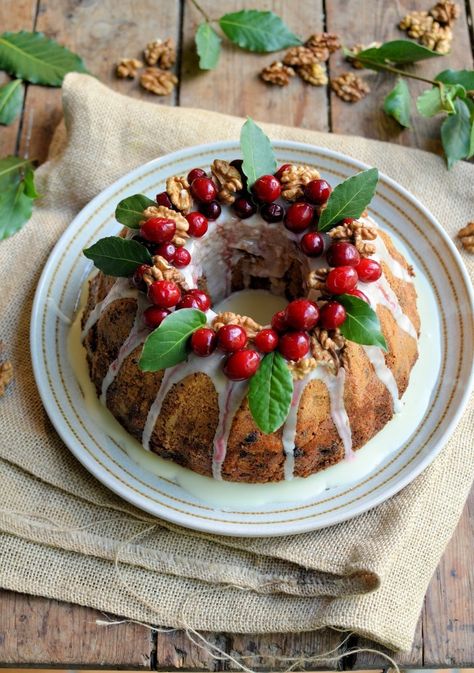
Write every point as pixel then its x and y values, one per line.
pixel 451 93
pixel 250 29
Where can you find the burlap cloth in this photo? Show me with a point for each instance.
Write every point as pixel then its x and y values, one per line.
pixel 61 529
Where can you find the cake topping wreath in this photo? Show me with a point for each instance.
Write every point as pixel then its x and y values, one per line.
pixel 156 252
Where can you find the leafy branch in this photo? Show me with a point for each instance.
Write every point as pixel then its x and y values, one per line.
pixel 249 29
pixel 451 94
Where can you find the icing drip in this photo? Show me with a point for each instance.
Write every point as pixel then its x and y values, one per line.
pixel 382 255
pixel 170 376
pixel 137 336
pixel 381 293
pixel 229 402
pixel 384 374
pixel 289 430
pixel 120 290
pixel 335 386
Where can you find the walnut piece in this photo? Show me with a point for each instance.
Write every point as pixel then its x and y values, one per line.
pixel 162 54
pixel 316 279
pixel 299 56
pixel 228 318
pixel 127 68
pixel 439 38
pixel 416 23
pixel 300 370
pixel 466 236
pixel 277 73
pixel 313 73
pixel 182 225
pixel 323 44
pixel 357 233
pixel 177 188
pixel 228 180
pixel 159 82
pixel 6 375
pixel 293 180
pixel 328 347
pixel 445 12
pixel 163 270
pixel 350 87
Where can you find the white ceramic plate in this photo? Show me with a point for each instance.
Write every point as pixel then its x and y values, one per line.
pixel 400 213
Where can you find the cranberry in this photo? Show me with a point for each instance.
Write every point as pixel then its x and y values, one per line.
pixel 210 210
pixel 154 316
pixel 280 171
pixel 203 189
pixel 341 279
pixel 312 244
pixel 166 250
pixel 244 207
pixel 342 254
pixel 195 173
pixel 317 192
pixel 267 188
pixel 197 224
pixel 294 345
pixel 266 340
pixel 302 314
pixel 231 338
pixel 163 199
pixel 332 315
pixel 164 293
pixel 203 341
pixel 241 365
pixel 358 293
pixel 158 230
pixel 298 216
pixel 203 298
pixel 272 212
pixel 182 258
pixel 188 301
pixel 137 278
pixel 368 270
pixel 279 323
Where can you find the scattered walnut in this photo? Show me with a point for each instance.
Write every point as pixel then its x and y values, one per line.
pixel 229 318
pixel 228 179
pixel 277 73
pixel 293 180
pixel 177 189
pixel 162 54
pixel 349 87
pixel 6 375
pixel 313 73
pixel 416 23
pixel 127 67
pixel 182 224
pixel 439 38
pixel 466 236
pixel 321 41
pixel 159 82
pixel 163 270
pixel 445 12
pixel 299 56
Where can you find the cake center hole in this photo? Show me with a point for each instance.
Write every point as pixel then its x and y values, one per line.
pixel 257 304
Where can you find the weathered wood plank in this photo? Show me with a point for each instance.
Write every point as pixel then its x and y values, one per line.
pixel 46 632
pixel 364 22
pixel 102 32
pixel 234 86
pixel 176 651
pixel 448 619
pixel 369 660
pixel 21 17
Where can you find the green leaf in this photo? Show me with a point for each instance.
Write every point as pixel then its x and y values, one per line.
pixel 117 256
pixel 471 142
pixel 29 182
pixel 361 324
pixel 257 31
pixel 349 199
pixel 37 59
pixel 463 77
pixel 15 209
pixel 208 45
pixel 439 99
pixel 167 345
pixel 257 150
pixel 396 51
pixel 11 101
pixel 456 134
pixel 130 210
pixel 397 103
pixel 10 169
pixel 270 393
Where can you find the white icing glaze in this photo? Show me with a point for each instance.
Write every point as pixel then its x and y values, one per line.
pixel 230 397
pixel 335 386
pixel 384 373
pixel 120 290
pixel 381 293
pixel 137 336
pixel 382 255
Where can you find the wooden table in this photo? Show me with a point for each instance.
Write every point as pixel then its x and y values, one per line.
pixel 45 632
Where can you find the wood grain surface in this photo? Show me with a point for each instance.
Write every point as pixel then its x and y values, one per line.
pixel 38 631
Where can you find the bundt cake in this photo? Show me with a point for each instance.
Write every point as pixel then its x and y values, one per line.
pixel 217 392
